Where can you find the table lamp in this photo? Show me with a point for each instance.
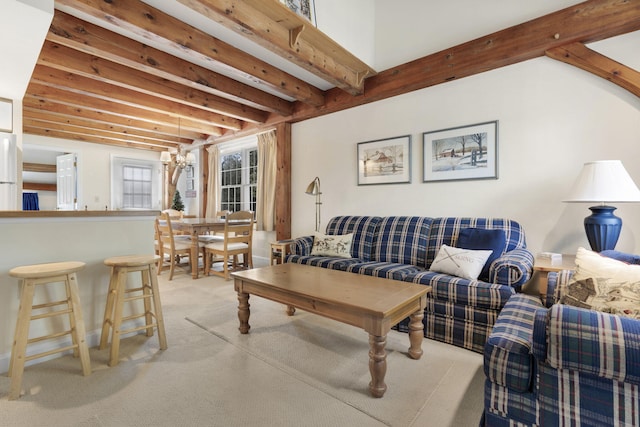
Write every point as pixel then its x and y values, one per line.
pixel 314 189
pixel 603 181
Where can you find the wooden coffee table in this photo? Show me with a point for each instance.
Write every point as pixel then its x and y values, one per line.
pixel 370 303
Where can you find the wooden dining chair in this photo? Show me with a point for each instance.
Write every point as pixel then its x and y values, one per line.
pixel 172 247
pixel 238 235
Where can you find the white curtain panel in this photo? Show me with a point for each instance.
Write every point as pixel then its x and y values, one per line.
pixel 266 203
pixel 213 186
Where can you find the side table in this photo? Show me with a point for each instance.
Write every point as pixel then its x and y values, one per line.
pixel 544 266
pixel 279 250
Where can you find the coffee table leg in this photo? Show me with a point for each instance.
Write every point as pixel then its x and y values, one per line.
pixel 377 365
pixel 291 310
pixel 243 312
pixel 416 333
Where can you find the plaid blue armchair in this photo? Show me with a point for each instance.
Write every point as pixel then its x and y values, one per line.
pixel 561 365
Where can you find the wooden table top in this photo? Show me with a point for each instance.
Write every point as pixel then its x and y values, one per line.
pixel 365 293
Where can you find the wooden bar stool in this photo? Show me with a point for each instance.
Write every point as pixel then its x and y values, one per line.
pixel 119 294
pixel 41 274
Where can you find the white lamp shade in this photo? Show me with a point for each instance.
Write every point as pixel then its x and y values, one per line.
pixel 191 158
pixel 165 157
pixel 604 181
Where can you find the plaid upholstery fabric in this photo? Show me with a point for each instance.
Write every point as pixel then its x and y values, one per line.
pixel 364 229
pixel 302 246
pixel 507 358
pixel 593 342
pixel 333 263
pixel 463 291
pixel 514 270
pixel 509 408
pixel 586 370
pixel 462 326
pixel 403 240
pixel 382 269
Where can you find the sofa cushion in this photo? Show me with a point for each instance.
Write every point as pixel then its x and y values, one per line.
pixel 445 231
pixel 507 354
pixel 389 270
pixel 402 239
pixel 333 263
pixel 464 292
pixel 335 245
pixel 459 262
pixel 363 228
pixel 480 238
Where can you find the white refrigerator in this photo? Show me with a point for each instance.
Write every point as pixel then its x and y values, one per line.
pixel 8 172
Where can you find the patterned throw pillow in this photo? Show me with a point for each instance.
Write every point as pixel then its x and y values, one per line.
pixel 332 245
pixel 459 262
pixel 603 284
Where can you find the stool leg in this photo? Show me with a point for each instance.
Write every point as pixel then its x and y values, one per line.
pixel 158 308
pixel 148 293
pixel 107 323
pixel 117 315
pixel 19 350
pixel 78 332
pixel 72 318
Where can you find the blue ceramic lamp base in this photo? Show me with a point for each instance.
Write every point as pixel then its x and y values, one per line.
pixel 603 228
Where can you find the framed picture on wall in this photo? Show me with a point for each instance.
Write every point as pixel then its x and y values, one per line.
pixel 465 152
pixel 304 8
pixel 384 161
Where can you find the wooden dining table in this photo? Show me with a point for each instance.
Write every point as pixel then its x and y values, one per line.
pixel 195 227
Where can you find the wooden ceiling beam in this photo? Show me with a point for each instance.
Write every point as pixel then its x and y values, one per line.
pixel 152 24
pixel 70 31
pixel 100 127
pixel 91 138
pixel 84 85
pixel 47 93
pixel 578 55
pixel 32 106
pixel 66 59
pixel 109 135
pixel 278 29
pixel 585 22
pixel 39 167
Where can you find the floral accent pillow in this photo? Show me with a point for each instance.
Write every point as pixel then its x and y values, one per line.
pixel 332 245
pixel 460 262
pixel 603 284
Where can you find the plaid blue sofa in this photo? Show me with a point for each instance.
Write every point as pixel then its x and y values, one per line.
pixel 561 365
pixel 459 311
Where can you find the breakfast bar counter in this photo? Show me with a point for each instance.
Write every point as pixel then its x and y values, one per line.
pixel 34 237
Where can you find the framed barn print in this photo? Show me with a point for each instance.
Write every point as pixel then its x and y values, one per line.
pixel 385 161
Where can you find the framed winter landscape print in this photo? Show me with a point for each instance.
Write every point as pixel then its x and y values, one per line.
pixel 385 161
pixel 465 152
pixel 304 8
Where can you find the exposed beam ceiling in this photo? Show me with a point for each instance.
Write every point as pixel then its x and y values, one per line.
pixel 123 73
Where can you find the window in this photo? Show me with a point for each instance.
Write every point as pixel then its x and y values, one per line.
pixel 239 176
pixel 136 186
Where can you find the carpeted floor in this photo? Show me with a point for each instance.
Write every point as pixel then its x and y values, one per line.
pixel 288 371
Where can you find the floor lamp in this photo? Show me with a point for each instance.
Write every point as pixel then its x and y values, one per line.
pixel 314 190
pixel 603 181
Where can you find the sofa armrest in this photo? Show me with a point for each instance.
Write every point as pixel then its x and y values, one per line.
pixel 301 245
pixel 593 342
pixel 513 268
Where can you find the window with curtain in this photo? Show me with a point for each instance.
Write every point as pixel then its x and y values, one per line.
pixel 135 184
pixel 239 178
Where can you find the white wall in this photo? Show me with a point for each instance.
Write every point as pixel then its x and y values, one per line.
pixel 552 118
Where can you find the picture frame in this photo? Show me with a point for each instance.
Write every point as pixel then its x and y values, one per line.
pixel 305 8
pixel 461 153
pixel 384 161
pixel 6 115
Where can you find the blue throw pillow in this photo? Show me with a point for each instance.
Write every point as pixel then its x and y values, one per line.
pixel 482 238
pixel 621 256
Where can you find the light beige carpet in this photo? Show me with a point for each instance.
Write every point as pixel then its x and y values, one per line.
pixel 333 358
